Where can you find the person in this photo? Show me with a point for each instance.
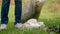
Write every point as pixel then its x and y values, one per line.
pixel 5 10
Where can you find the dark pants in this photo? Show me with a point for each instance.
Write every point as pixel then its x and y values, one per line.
pixel 5 10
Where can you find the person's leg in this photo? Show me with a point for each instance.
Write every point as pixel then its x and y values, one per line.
pixel 4 14
pixel 18 11
pixel 4 11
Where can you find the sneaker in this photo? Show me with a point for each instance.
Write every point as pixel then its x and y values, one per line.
pixel 3 26
pixel 19 25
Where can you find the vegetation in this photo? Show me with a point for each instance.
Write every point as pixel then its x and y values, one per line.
pixel 50 15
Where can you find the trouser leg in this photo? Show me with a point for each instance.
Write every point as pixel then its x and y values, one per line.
pixel 18 11
pixel 4 11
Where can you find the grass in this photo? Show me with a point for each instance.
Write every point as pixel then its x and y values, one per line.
pixel 49 15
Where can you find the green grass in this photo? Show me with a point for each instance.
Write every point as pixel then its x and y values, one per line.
pixel 48 15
